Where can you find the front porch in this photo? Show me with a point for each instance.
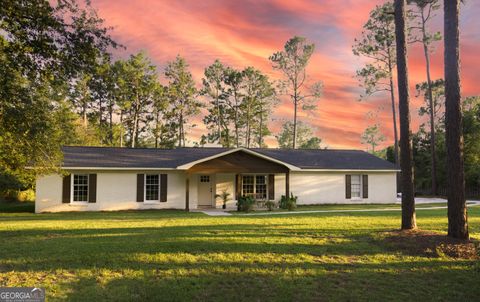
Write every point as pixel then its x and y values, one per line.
pixel 239 174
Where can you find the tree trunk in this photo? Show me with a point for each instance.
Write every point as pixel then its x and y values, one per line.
pixel 136 109
pixel 260 133
pixel 408 198
pixel 121 128
pixel 110 122
pixel 219 121
pixel 157 119
pixel 236 131
pixel 84 114
pixel 432 107
pixel 237 136
pixel 137 134
pixel 296 87
pixel 100 112
pixel 295 103
pixel 183 134
pixel 180 130
pixel 457 212
pixel 247 132
pixel 394 113
pixel 395 128
pixel 227 134
pixel 134 131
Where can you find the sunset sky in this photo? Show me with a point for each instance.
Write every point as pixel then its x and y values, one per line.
pixel 247 32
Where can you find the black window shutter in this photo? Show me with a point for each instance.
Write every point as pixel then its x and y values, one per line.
pixel 271 186
pixel 348 186
pixel 140 187
pixel 163 187
pixel 92 188
pixel 238 188
pixel 365 186
pixel 67 180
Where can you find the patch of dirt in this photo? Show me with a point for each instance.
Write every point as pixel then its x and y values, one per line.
pixel 431 244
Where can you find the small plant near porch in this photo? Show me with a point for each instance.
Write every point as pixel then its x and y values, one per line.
pixel 270 205
pixel 225 197
pixel 245 203
pixel 289 203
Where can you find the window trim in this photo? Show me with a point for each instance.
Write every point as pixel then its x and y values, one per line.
pixel 151 201
pixel 72 189
pixel 255 184
pixel 360 197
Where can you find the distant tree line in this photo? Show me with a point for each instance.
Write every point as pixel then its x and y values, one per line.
pixel 59 85
pixel 450 139
pixel 377 45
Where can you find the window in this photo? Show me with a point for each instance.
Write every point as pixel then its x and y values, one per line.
pixel 204 178
pixel 80 188
pixel 261 187
pixel 356 186
pixel 248 185
pixel 152 187
pixel 255 186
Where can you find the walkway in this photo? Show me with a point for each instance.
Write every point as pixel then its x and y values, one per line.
pixel 214 212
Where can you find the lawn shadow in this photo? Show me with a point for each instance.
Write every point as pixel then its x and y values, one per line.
pixel 17 207
pixel 341 282
pixel 117 247
pixel 100 247
pixel 225 258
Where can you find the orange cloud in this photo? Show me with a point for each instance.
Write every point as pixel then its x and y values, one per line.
pixel 244 33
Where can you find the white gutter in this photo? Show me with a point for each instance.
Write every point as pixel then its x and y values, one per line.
pixel 348 170
pixel 115 168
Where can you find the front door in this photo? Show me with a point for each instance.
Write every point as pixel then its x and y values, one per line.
pixel 205 191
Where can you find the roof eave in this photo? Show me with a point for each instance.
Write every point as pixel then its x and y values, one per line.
pixel 117 168
pixel 348 170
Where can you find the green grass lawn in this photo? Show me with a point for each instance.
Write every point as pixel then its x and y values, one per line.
pixel 17 206
pixel 176 256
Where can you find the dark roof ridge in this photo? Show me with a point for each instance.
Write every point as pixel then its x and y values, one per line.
pixel 223 148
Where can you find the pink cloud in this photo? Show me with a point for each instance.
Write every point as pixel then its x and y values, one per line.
pixel 244 33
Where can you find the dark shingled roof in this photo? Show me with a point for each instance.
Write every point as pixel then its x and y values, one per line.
pixel 328 159
pixel 112 157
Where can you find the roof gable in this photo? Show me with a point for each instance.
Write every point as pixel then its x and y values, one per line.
pixel 239 150
pixel 240 161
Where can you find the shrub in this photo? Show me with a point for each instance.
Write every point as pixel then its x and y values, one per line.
pixel 270 205
pixel 245 203
pixel 291 204
pixel 283 202
pixel 288 203
pixel 17 195
pixel 27 195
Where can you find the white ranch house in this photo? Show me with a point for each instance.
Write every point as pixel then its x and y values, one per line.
pixel 110 179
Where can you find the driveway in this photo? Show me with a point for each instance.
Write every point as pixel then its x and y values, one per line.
pixel 425 200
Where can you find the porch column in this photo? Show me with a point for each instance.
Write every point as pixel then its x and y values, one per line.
pixel 187 192
pixel 287 184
